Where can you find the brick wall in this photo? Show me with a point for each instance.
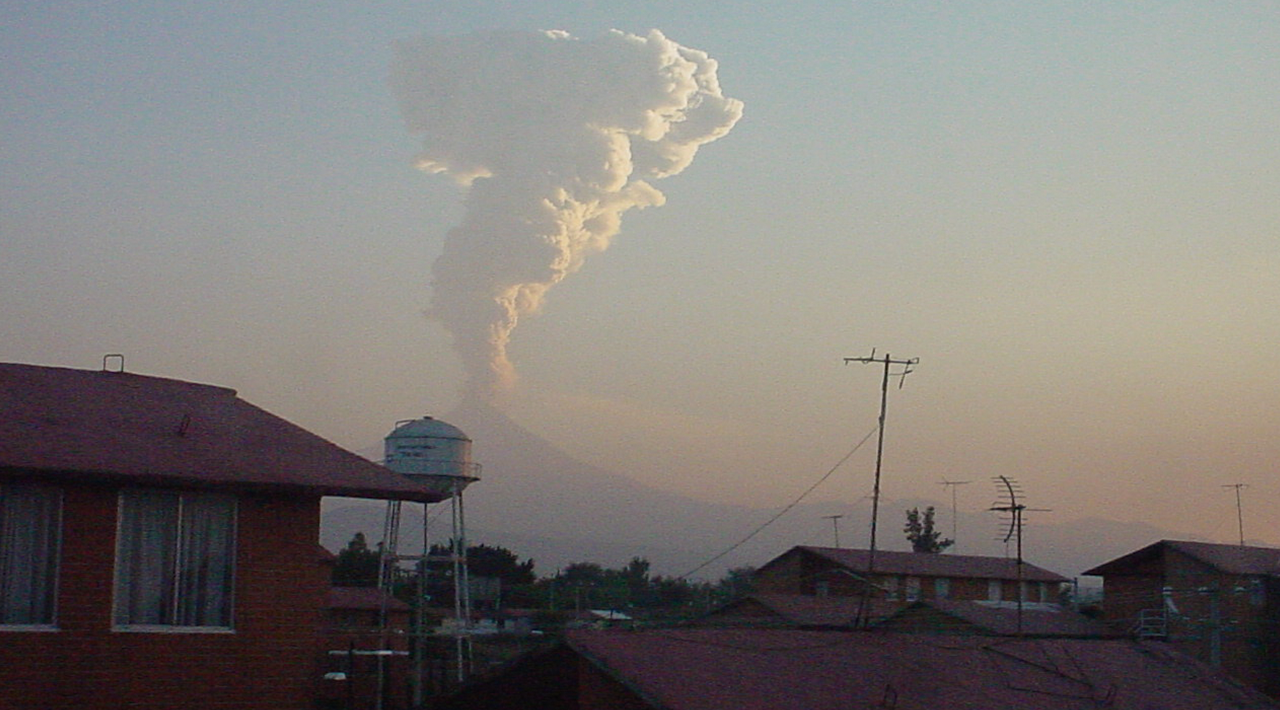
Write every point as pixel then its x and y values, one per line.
pixel 1219 617
pixel 267 662
pixel 782 577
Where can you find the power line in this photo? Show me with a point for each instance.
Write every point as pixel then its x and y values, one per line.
pixel 785 510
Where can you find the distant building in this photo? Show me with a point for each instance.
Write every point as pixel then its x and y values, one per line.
pixel 1219 603
pixel 158 543
pixel 905 576
pixel 359 652
pixel 731 669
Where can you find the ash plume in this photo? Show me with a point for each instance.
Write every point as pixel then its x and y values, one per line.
pixel 554 138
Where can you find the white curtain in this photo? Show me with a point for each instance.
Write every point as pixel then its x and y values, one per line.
pixel 206 552
pixel 146 555
pixel 175 560
pixel 29 532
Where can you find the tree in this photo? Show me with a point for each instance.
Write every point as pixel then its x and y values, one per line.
pixel 738 582
pixel 357 565
pixel 515 578
pixel 920 532
pixel 499 562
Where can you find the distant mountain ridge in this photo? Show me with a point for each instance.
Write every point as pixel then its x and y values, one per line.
pixel 547 506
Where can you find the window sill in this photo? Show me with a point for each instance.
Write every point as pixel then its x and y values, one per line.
pixel 28 628
pixel 171 629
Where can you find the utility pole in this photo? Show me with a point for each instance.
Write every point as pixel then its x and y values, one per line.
pixel 955 539
pixel 1239 508
pixel 875 493
pixel 835 526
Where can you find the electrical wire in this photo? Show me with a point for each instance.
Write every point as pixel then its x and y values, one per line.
pixel 787 509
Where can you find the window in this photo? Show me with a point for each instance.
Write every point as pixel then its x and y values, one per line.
pixel 941 588
pixel 890 587
pixel 913 589
pixel 175 559
pixel 30 521
pixel 993 590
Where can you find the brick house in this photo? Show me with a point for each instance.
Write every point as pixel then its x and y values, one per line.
pixel 905 576
pixel 363 651
pixel 158 543
pixel 792 669
pixel 1219 603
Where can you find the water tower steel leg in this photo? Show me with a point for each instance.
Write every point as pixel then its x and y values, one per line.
pixel 466 576
pixel 419 639
pixel 387 560
pixel 456 556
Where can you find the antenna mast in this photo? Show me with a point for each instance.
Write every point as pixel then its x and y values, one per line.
pixel 1015 509
pixel 888 361
pixel 1239 508
pixel 835 526
pixel 955 539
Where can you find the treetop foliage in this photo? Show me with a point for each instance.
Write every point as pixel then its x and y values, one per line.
pixel 920 532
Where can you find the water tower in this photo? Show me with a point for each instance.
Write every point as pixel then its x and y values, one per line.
pixel 434 453
pixel 437 456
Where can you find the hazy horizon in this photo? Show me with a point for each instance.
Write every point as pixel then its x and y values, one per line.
pixel 1065 210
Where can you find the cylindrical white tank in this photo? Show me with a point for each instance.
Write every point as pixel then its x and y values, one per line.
pixel 433 453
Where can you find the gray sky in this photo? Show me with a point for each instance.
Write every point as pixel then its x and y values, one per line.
pixel 1066 210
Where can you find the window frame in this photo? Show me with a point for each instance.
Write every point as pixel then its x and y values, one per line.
pixel 913 589
pixel 54 528
pixel 995 590
pixel 942 588
pixel 175 582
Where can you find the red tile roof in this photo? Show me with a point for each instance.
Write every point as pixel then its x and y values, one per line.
pixel 84 423
pixel 919 564
pixel 762 669
pixel 1231 559
pixel 1001 619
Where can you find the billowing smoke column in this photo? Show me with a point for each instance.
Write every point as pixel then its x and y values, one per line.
pixel 555 138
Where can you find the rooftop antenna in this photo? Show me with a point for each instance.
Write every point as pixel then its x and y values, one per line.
pixel 1009 492
pixel 907 366
pixel 955 539
pixel 835 526
pixel 1239 508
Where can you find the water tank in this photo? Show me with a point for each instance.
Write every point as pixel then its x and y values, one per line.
pixel 436 454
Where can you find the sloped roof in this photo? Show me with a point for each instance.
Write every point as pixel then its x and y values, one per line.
pixel 802 610
pixel 1231 559
pixel 919 564
pixel 1002 619
pixel 759 669
pixel 152 430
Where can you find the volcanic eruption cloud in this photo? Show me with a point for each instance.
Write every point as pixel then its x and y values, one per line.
pixel 553 138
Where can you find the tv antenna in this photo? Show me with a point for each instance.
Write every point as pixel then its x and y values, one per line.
pixel 835 526
pixel 1010 493
pixel 907 366
pixel 1239 508
pixel 952 485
